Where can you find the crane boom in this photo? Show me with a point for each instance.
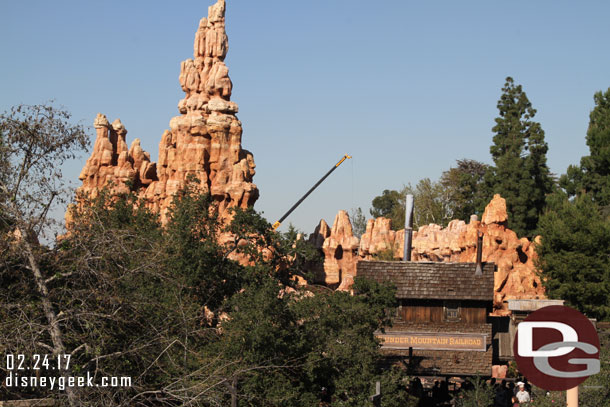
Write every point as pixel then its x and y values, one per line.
pixel 279 222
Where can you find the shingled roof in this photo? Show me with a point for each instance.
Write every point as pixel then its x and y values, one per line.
pixel 432 280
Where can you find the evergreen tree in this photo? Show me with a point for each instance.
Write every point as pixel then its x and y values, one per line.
pixel 521 174
pixel 574 255
pixel 593 174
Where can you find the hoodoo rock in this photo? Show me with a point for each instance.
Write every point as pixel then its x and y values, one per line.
pixel 340 249
pixel 204 141
pixel 515 276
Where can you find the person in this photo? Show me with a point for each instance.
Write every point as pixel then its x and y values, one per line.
pixel 445 397
pixel 522 395
pixel 510 392
pixel 417 389
pixel 515 402
pixel 325 398
pixel 500 395
pixel 528 386
pixel 436 392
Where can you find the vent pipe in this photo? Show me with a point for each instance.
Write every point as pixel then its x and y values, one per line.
pixel 479 268
pixel 406 256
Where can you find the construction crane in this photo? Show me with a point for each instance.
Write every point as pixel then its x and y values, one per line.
pixel 279 222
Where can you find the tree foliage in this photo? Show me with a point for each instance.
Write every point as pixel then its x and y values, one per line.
pixel 593 174
pixel 198 311
pixel 476 394
pixel 466 188
pixel 574 255
pixel 432 204
pixel 287 347
pixel 35 141
pixel 520 174
pixel 169 307
pixel 388 205
pixel 358 221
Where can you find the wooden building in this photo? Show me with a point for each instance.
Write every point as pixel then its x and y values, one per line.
pixel 442 325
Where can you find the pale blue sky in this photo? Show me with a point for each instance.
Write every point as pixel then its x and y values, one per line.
pixel 404 87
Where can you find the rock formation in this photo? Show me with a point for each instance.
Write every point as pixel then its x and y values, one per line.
pixel 204 141
pixel 340 248
pixel 514 257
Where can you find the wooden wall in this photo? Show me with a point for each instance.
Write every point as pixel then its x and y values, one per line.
pixel 470 312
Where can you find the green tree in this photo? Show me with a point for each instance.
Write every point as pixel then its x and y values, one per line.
pixel 478 395
pixel 35 141
pixel 593 174
pixel 465 185
pixel 432 204
pixel 358 221
pixel 388 205
pixel 520 174
pixel 574 255
pixel 281 348
pixel 169 305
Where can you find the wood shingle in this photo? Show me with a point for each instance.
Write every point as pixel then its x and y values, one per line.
pixel 432 280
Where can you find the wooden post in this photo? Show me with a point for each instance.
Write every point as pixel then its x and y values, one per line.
pixel 572 397
pixel 376 398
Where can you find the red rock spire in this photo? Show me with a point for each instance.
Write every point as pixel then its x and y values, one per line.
pixel 203 141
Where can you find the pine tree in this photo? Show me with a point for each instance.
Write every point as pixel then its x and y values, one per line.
pixel 593 174
pixel 521 174
pixel 574 255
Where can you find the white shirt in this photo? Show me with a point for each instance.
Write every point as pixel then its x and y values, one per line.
pixel 523 396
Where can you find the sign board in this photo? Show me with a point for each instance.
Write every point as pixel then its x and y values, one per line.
pixel 433 341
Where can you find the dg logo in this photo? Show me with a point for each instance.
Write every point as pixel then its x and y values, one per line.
pixel 557 348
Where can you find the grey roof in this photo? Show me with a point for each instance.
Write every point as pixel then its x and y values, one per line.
pixel 432 280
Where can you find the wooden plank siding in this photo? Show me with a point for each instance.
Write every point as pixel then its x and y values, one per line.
pixel 474 312
pixel 470 312
pixel 422 313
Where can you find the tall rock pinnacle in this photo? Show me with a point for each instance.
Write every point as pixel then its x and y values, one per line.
pixel 203 141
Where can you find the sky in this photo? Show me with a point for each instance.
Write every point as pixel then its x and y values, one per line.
pixel 406 88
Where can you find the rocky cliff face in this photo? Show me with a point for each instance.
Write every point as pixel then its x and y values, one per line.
pixel 515 278
pixel 204 141
pixel 340 248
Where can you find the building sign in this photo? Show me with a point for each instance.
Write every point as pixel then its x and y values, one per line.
pixel 432 341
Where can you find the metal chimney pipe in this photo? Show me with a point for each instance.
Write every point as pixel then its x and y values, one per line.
pixel 479 268
pixel 406 256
